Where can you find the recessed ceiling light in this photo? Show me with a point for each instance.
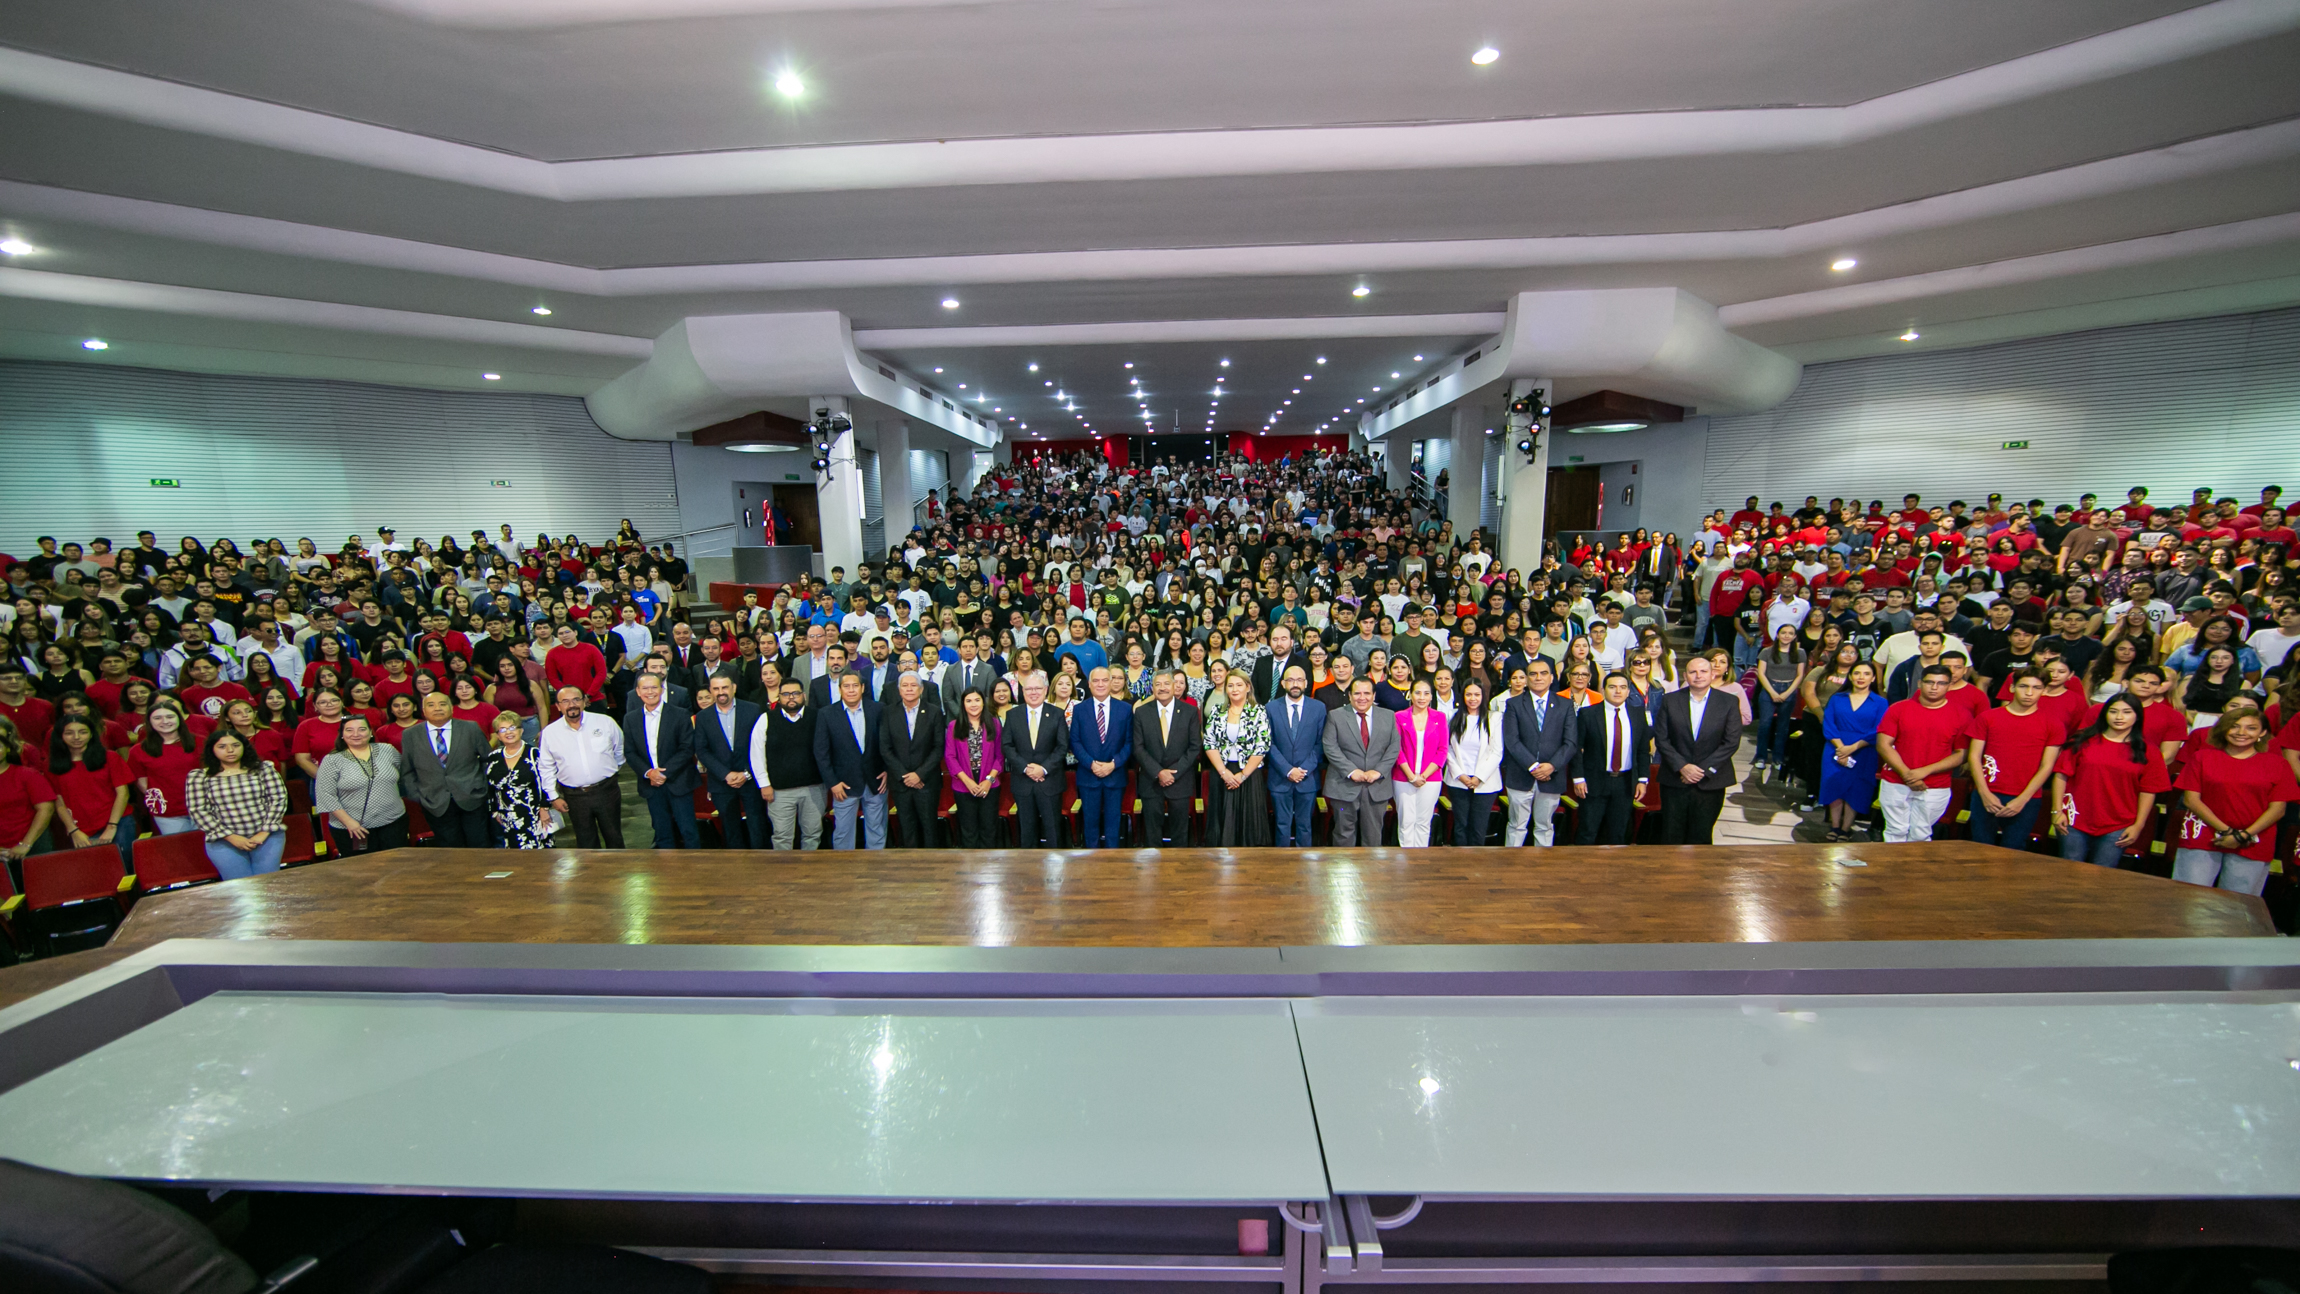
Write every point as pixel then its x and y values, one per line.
pixel 1911 335
pixel 1321 359
pixel 1843 263
pixel 1485 57
pixel 789 84
pixel 491 377
pixel 1377 387
pixel 1360 290
pixel 962 386
pixel 18 247
pixel 1129 363
pixel 542 310
pixel 950 303
pixel 1297 390
pixel 96 343
pixel 1034 368
pixel 938 370
pixel 1417 359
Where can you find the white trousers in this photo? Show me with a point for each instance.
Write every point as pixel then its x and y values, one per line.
pixel 1910 815
pixel 1534 811
pixel 1415 808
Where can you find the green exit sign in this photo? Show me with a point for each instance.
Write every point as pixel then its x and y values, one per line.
pixel 166 483
pixel 2016 444
pixel 500 485
pixel 1574 459
pixel 790 476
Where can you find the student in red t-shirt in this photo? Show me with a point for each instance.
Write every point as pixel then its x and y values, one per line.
pixel 2106 785
pixel 206 693
pixel 2161 722
pixel 2011 757
pixel 31 715
pixel 27 801
pixel 1919 741
pixel 577 664
pixel 315 736
pixel 167 754
pixel 2235 792
pixel 91 789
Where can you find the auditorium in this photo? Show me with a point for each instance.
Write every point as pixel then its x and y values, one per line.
pixel 1149 646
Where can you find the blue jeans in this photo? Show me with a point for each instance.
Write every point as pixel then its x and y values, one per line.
pixel 2227 871
pixel 872 805
pixel 1294 807
pixel 2104 850
pixel 1700 621
pixel 1772 726
pixel 2013 832
pixel 232 863
pixel 1745 649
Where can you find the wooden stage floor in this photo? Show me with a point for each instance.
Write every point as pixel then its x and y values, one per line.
pixel 1180 898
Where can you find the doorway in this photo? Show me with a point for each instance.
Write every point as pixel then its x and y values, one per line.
pixel 1575 494
pixel 803 507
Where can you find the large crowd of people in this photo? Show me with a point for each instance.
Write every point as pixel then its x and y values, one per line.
pixel 1227 653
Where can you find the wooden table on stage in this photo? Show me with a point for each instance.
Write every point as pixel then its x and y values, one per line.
pixel 1200 898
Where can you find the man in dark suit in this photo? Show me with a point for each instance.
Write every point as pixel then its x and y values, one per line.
pixel 1297 749
pixel 1270 670
pixel 1102 736
pixel 1612 755
pixel 655 667
pixel 1699 732
pixel 723 744
pixel 659 744
pixel 912 740
pixel 819 693
pixel 1538 740
pixel 442 766
pixel 685 656
pixel 1166 749
pixel 1362 747
pixel 850 754
pixel 1035 740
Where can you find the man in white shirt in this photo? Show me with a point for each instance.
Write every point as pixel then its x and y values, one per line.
pixel 2273 645
pixel 287 662
pixel 1788 607
pixel 578 758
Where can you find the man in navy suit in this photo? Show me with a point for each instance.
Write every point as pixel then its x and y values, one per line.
pixel 1297 749
pixel 723 744
pixel 1102 736
pixel 659 742
pixel 1538 738
pixel 848 755
pixel 1612 763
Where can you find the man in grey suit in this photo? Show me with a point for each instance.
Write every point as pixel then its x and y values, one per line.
pixel 1538 738
pixel 1361 753
pixel 442 766
pixel 968 672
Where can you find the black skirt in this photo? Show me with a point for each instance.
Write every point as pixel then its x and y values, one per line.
pixel 1240 818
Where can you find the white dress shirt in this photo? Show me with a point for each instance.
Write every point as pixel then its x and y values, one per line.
pixel 651 723
pixel 1696 705
pixel 578 758
pixel 1617 720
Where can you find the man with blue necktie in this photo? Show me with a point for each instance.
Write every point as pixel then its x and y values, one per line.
pixel 1297 749
pixel 1102 736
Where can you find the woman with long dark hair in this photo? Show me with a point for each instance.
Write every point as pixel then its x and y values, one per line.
pixel 1473 764
pixel 972 757
pixel 162 761
pixel 2106 784
pixel 240 803
pixel 2235 791
pixel 91 788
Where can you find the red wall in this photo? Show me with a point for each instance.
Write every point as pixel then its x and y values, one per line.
pixel 1269 449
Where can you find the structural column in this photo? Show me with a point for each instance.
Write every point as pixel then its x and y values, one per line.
pixel 1398 451
pixel 839 494
pixel 894 478
pixel 1524 501
pixel 1465 500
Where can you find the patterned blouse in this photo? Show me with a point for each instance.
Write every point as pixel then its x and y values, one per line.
pixel 1241 741
pixel 236 806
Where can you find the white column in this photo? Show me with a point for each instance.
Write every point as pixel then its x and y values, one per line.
pixel 839 495
pixel 977 465
pixel 1466 481
pixel 1528 492
pixel 894 478
pixel 1398 448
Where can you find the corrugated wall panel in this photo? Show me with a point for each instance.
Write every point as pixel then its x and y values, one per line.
pixel 1489 508
pixel 290 457
pixel 2171 406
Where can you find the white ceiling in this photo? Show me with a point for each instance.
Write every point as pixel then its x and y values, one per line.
pixel 384 189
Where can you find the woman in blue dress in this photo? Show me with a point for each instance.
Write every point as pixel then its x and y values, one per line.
pixel 1849 760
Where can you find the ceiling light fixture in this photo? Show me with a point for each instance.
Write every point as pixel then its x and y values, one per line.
pixel 789 84
pixel 1360 290
pixel 1911 335
pixel 1486 56
pixel 938 370
pixel 1608 426
pixel 1321 359
pixel 764 449
pixel 542 310
pixel 1843 263
pixel 96 343
pixel 1034 368
pixel 950 303
pixel 18 247
pixel 491 377
pixel 1225 363
pixel 1417 359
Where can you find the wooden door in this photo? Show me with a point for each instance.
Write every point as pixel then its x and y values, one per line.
pixel 804 507
pixel 1574 494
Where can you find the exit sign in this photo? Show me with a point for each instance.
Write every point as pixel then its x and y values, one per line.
pixel 500 485
pixel 1575 459
pixel 790 476
pixel 2016 444
pixel 166 483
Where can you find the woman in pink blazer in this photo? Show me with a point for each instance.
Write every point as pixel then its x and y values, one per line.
pixel 1420 774
pixel 970 754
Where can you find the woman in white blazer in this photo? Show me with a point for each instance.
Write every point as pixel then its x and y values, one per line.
pixel 1473 764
